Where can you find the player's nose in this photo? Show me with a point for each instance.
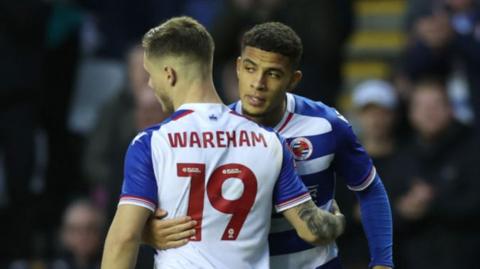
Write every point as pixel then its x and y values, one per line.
pixel 258 83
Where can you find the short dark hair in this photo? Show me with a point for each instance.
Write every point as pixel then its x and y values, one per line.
pixel 179 36
pixel 275 37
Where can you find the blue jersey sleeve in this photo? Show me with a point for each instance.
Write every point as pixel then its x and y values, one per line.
pixel 351 160
pixel 289 190
pixel 139 184
pixel 377 222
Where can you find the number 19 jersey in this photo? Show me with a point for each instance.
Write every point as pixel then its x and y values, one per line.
pixel 225 172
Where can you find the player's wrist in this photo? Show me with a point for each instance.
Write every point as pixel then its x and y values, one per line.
pixel 341 223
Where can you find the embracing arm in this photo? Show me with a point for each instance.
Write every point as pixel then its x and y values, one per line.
pixel 124 236
pixel 314 225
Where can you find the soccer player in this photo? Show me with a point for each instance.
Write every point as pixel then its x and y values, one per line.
pixel 323 145
pixel 209 163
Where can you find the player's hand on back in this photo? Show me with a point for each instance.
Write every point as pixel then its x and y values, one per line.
pixel 162 233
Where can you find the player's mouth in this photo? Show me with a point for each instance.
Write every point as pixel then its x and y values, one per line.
pixel 255 100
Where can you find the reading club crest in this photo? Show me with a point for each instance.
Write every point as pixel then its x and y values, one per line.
pixel 301 148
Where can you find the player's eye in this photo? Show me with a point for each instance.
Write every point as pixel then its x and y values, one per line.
pixel 250 69
pixel 273 74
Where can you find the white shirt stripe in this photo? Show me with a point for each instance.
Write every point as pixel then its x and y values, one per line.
pixel 315 165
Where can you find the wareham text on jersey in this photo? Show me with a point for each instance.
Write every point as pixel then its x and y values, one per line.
pixel 216 139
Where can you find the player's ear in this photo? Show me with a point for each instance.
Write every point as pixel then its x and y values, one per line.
pixel 239 64
pixel 170 74
pixel 296 78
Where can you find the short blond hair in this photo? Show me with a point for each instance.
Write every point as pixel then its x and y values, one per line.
pixel 179 36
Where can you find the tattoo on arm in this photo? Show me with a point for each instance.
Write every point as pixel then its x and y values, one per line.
pixel 323 224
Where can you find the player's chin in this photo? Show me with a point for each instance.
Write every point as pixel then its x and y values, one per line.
pixel 254 112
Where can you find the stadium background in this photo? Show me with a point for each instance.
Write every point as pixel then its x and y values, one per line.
pixel 73 94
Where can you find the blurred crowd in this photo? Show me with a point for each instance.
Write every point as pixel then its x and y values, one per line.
pixel 73 93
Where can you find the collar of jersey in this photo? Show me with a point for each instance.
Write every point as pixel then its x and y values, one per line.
pixel 286 116
pixel 199 106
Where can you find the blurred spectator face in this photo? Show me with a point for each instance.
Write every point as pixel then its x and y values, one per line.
pixel 158 83
pixel 136 73
pixel 264 78
pixel 430 112
pixel 434 30
pixel 82 231
pixel 148 111
pixel 376 121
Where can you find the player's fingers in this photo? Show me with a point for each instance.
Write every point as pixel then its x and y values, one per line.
pixel 165 224
pixel 176 244
pixel 335 208
pixel 182 235
pixel 180 227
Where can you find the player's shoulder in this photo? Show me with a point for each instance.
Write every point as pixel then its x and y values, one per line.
pixel 145 135
pixel 308 107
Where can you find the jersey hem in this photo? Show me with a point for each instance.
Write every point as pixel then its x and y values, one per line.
pixel 293 202
pixel 131 200
pixel 371 176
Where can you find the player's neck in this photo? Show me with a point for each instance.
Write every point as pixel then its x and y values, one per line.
pixel 196 91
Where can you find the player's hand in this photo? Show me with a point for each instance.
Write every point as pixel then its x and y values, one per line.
pixel 170 233
pixel 335 209
pixel 381 267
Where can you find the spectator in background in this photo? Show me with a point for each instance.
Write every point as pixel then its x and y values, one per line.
pixel 375 110
pixel 109 29
pixel 133 109
pixel 439 212
pixel 446 43
pixel 375 102
pixel 82 235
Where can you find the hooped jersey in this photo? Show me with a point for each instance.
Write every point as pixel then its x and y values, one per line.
pixel 223 170
pixel 324 146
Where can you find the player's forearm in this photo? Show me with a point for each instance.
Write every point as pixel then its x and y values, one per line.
pixel 120 253
pixel 322 227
